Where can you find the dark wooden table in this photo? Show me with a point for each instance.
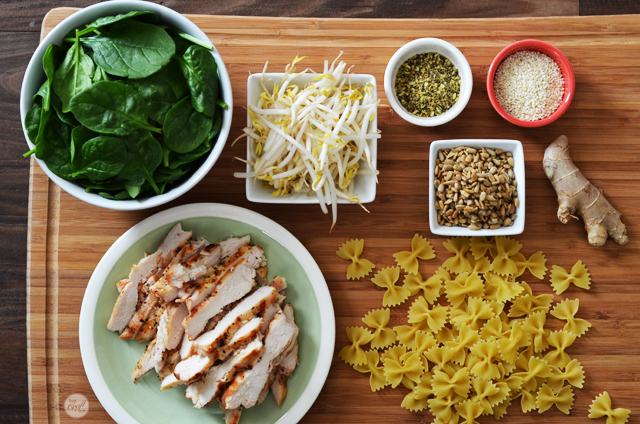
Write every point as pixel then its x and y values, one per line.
pixel 19 35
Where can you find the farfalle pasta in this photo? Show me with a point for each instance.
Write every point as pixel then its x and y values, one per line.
pixel 566 311
pixel 430 288
pixel 359 267
pixel 563 399
pixel 353 354
pixel 420 249
pixel 377 379
pixel 458 246
pixel 378 320
pixel 561 279
pixel 387 278
pixel 601 407
pixel 482 347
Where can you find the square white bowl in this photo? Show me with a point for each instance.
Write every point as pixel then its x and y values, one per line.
pixel 364 184
pixel 513 146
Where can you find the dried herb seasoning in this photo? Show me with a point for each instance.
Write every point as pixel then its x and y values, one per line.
pixel 427 84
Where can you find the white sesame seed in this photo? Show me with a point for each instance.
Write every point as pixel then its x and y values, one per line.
pixel 529 85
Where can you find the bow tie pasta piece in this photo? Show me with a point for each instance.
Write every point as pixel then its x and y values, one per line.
pixel 560 340
pixel 387 278
pixel 463 286
pixel 467 338
pixel 441 356
pixel 536 265
pixel 500 410
pixel 566 311
pixel 359 267
pixel 480 266
pixel 534 369
pixel 534 325
pixel 563 400
pixel 481 360
pixel 446 385
pixel 495 328
pixel 417 399
pixel 572 374
pixel 476 310
pixel 430 288
pixel 446 334
pixel 504 289
pixel 458 246
pixel 406 334
pixel 377 380
pixel 469 410
pixel 601 407
pixel 480 246
pixel 424 342
pixel 378 320
pixel 503 262
pixel 503 394
pixel 484 389
pixel 517 339
pixel 436 317
pixel 353 354
pixel 527 400
pixel 561 279
pixel 407 365
pixel 444 411
pixel 420 248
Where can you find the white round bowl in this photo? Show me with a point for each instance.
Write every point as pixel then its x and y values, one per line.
pixel 35 76
pixel 428 45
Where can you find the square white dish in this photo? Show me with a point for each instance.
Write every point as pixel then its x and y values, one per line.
pixel 364 184
pixel 513 146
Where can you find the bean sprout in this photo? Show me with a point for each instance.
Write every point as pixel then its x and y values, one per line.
pixel 312 139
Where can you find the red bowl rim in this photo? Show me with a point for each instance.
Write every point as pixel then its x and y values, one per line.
pixel 553 53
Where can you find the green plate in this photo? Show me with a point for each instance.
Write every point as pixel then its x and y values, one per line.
pixel 109 361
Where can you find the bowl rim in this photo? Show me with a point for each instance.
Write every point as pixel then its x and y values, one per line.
pixel 34 71
pixel 367 196
pixel 464 71
pixel 195 210
pixel 549 50
pixel 515 147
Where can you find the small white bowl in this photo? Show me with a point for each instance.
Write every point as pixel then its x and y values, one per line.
pixel 364 184
pixel 35 76
pixel 513 146
pixel 428 45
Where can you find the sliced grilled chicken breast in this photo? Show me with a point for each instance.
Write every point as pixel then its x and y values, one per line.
pixel 145 363
pixel 247 386
pixel 233 286
pixel 232 416
pixel 170 332
pixel 244 311
pixel 124 308
pixel 279 388
pixel 141 315
pixel 217 377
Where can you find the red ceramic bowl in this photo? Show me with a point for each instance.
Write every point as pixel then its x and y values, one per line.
pixel 553 53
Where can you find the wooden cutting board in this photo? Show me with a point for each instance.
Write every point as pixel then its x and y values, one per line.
pixel 67 238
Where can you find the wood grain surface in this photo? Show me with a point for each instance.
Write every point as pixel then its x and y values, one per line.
pixel 68 238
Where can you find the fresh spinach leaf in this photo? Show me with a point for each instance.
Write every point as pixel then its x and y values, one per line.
pixel 54 148
pixel 41 135
pixel 162 90
pixel 200 70
pixel 68 117
pixel 215 128
pixel 193 40
pixel 184 127
pixel 100 75
pixel 181 45
pixel 131 49
pixel 177 160
pixel 111 108
pixel 123 195
pixel 73 75
pixel 141 15
pixel 144 155
pixel 79 136
pixel 112 184
pixel 32 121
pixel 102 158
pixel 134 187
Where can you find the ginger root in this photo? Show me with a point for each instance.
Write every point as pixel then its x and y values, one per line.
pixel 577 196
